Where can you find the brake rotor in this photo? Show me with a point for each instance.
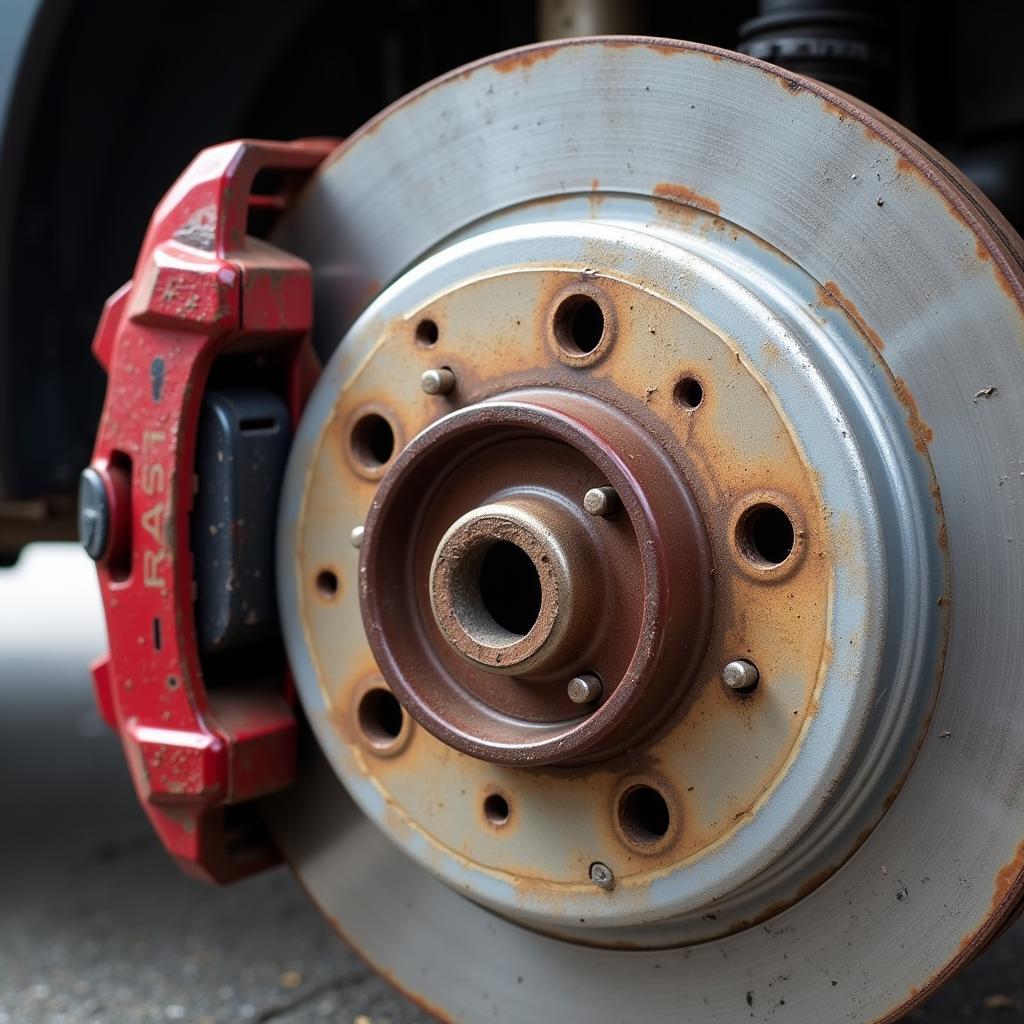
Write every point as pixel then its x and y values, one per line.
pixel 650 546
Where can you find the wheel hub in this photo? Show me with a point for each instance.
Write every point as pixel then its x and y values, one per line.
pixel 512 574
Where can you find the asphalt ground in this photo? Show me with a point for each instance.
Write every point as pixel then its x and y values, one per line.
pixel 98 925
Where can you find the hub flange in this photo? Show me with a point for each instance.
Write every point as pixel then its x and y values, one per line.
pixel 478 544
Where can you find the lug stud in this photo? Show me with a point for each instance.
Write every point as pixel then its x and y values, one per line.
pixel 741 675
pixel 356 536
pixel 602 501
pixel 438 382
pixel 585 689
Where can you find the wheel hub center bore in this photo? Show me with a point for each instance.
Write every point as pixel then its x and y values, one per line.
pixel 517 589
pixel 501 586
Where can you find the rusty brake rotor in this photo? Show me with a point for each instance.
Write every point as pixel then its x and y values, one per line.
pixel 640 544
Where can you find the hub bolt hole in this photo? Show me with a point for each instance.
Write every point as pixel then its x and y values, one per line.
pixel 496 809
pixel 689 393
pixel 380 717
pixel 579 325
pixel 427 333
pixel 373 440
pixel 644 815
pixel 327 584
pixel 510 589
pixel 765 535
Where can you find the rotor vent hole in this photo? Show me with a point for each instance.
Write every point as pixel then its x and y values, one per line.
pixel 373 440
pixel 766 535
pixel 427 333
pixel 496 809
pixel 380 717
pixel 689 393
pixel 327 584
pixel 579 325
pixel 510 587
pixel 644 815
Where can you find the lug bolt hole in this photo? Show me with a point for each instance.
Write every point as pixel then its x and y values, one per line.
pixel 373 440
pixel 427 333
pixel 579 325
pixel 644 815
pixel 765 535
pixel 496 809
pixel 688 393
pixel 380 717
pixel 327 584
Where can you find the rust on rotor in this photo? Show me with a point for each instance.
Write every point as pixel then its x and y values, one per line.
pixel 532 428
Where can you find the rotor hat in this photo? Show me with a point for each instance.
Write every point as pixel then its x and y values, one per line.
pixel 483 514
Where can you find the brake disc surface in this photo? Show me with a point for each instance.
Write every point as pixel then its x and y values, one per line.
pixel 787 338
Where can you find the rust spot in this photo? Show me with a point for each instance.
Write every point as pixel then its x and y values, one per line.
pixel 904 166
pixel 522 60
pixel 922 433
pixel 1008 878
pixel 630 42
pixel 981 251
pixel 830 294
pixel 1004 909
pixel 683 194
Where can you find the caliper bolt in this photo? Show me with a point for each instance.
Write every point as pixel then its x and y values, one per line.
pixel 356 536
pixel 601 875
pixel 740 675
pixel 438 382
pixel 602 501
pixel 94 514
pixel 585 689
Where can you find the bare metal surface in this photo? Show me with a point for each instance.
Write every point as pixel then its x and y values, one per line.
pixel 758 160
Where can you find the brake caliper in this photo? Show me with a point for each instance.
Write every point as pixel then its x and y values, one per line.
pixel 209 361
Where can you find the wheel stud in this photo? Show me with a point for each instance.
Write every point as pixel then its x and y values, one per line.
pixel 438 382
pixel 585 689
pixel 602 501
pixel 741 675
pixel 601 875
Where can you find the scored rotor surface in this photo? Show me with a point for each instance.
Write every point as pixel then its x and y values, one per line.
pixel 913 256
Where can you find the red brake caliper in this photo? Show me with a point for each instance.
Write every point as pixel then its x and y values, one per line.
pixel 202 287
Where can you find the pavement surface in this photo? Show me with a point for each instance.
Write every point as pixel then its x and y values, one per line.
pixel 97 924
